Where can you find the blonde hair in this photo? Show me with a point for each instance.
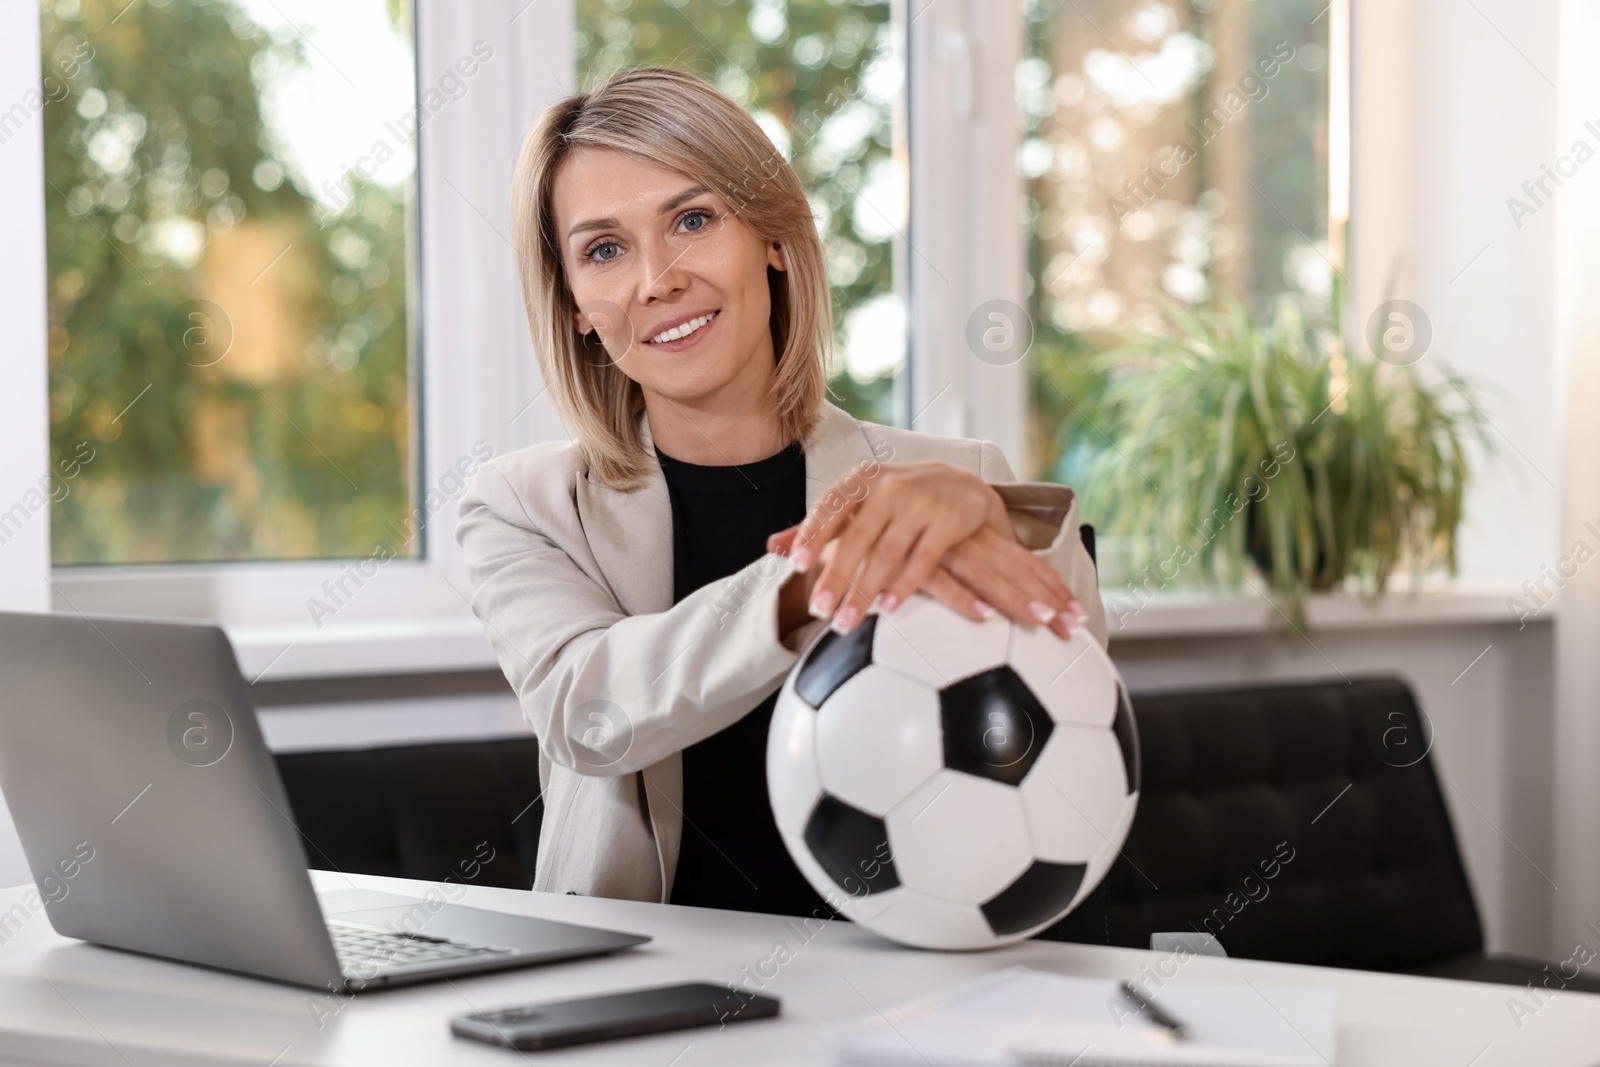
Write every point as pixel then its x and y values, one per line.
pixel 675 120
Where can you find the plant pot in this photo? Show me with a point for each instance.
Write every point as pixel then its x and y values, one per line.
pixel 1258 545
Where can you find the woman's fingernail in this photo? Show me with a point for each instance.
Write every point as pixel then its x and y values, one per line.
pixel 983 608
pixel 1041 611
pixel 1078 610
pixel 822 604
pixel 801 559
pixel 846 619
pixel 888 602
pixel 1074 624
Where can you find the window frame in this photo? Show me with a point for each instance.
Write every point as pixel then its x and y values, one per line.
pixel 964 132
pixel 25 425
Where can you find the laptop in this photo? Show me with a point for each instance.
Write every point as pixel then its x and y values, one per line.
pixel 154 820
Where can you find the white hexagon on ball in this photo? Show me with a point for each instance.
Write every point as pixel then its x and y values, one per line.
pixel 794 784
pixel 878 738
pixel 960 838
pixel 915 918
pixel 1074 794
pixel 1073 679
pixel 927 640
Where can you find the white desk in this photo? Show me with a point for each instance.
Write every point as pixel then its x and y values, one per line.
pixel 67 1002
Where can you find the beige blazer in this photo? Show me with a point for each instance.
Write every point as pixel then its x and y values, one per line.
pixel 574 580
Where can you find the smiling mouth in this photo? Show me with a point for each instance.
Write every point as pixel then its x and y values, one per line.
pixel 682 330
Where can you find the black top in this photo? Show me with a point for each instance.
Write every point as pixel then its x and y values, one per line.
pixel 732 856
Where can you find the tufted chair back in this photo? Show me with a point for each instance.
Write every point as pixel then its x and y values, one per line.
pixel 468 809
pixel 1301 823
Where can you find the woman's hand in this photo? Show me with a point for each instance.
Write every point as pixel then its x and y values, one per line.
pixel 928 527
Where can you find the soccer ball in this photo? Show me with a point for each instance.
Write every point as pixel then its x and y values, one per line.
pixel 951 784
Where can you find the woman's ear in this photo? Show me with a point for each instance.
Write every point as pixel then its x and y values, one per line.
pixel 775 257
pixel 580 323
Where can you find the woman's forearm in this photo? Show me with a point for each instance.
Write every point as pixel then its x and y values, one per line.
pixel 608 693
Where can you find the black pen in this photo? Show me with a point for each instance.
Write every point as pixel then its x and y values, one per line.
pixel 1158 1015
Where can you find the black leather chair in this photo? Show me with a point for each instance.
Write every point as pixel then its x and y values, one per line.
pixel 421 811
pixel 1327 787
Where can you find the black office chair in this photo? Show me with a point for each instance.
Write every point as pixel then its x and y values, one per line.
pixel 1334 774
pixel 421 811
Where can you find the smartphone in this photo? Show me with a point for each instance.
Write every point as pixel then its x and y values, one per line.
pixel 558 1023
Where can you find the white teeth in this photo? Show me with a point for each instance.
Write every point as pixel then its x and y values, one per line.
pixel 682 330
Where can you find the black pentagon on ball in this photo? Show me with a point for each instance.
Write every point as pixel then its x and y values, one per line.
pixel 852 847
pixel 994 727
pixel 833 661
pixel 1127 731
pixel 1038 895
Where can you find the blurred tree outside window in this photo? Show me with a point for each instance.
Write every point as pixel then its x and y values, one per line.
pixel 1174 149
pixel 229 213
pixel 824 78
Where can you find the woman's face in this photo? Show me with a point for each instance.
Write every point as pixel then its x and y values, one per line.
pixel 672 282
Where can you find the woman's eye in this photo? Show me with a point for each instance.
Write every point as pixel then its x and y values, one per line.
pixel 695 221
pixel 605 251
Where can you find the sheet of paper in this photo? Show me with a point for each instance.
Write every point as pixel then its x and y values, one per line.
pixel 1019 1016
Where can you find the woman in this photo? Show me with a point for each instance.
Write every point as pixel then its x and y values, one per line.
pixel 648 585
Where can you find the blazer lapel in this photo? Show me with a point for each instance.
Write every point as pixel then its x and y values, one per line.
pixel 837 445
pixel 630 534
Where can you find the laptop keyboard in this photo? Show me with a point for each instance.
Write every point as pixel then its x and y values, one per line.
pixel 360 948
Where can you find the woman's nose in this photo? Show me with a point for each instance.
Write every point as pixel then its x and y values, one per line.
pixel 665 270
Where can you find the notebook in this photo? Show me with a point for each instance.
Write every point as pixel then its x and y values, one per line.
pixel 1019 1016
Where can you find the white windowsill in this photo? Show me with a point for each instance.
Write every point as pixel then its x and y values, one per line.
pixel 421 646
pixel 1438 603
pixel 401 646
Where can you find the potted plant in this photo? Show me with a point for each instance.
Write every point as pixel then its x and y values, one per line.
pixel 1225 440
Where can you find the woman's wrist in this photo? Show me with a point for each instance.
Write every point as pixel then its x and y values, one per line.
pixel 999 516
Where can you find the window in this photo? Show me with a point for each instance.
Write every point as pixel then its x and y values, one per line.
pixel 229 214
pixel 1173 149
pixel 284 314
pixel 824 79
